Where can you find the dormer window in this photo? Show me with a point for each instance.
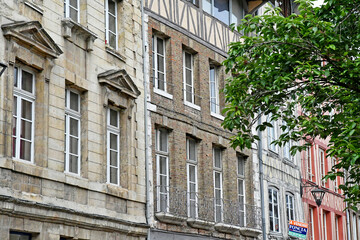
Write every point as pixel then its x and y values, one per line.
pixel 227 11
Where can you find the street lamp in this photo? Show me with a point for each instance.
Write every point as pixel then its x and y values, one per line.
pixel 318 195
pixel 3 66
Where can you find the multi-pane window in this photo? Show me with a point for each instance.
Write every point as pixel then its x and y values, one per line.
pixel 241 189
pixel 162 169
pixel 272 135
pixel 227 11
pixel 218 190
pixel 311 224
pixel 287 146
pixel 72 131
pixel 353 227
pixel 336 184
pixel 336 227
pixel 188 71
pixel 191 157
pixel 322 166
pixel 20 236
pixel 274 216
pixel 71 9
pixel 325 225
pixel 158 63
pixel 111 34
pixel 23 115
pixel 289 207
pixel 113 146
pixel 308 158
pixel 214 91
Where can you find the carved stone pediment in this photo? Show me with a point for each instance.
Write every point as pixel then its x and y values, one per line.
pixel 120 81
pixel 32 36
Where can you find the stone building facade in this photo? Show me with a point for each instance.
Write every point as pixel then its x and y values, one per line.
pixel 72 151
pixel 201 187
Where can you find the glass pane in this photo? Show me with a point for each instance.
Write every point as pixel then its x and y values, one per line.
pixel 189 95
pixel 270 195
pixel 221 10
pixel 237 12
pixel 26 110
pixel 74 101
pixel 217 157
pixel 73 3
pixel 25 150
pixel 217 180
pixel 206 4
pixel 74 127
pixel 188 77
pixel 14 126
pixel 163 182
pixel 111 6
pixel 192 209
pixel 240 166
pixel 191 150
pixel 213 106
pixel 13 147
pixel 26 129
pixel 74 143
pixel 163 202
pixel 188 60
pixel 241 186
pixel 275 197
pixel 18 236
pixel 160 46
pixel 161 63
pixel 218 214
pixel 192 190
pixel 163 163
pixel 192 173
pixel 163 140
pixel 15 106
pixel 161 82
pixel 113 141
pixel 113 175
pixel 73 164
pixel 74 15
pixel 15 77
pixel 112 24
pixel 27 81
pixel 113 159
pixel 112 40
pixel 276 213
pixel 271 224
pixel 113 118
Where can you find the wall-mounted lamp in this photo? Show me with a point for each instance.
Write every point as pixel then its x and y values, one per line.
pixel 317 192
pixel 2 68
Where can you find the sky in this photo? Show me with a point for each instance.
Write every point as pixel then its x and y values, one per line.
pixel 318 3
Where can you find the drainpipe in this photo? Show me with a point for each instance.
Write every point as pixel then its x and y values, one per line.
pixel 261 179
pixel 144 58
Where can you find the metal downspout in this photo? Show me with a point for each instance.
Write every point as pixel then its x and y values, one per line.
pixel 261 179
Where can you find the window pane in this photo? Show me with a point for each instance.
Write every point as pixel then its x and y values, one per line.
pixel 191 150
pixel 112 24
pixel 15 77
pixel 207 6
pixel 192 173
pixel 270 195
pixel 161 81
pixel 188 60
pixel 161 63
pixel 15 106
pixel 189 95
pixel 163 182
pixel 217 180
pixel 26 110
pixel 237 12
pixel 113 158
pixel 111 6
pixel 27 81
pixel 113 141
pixel 241 165
pixel 14 147
pixel 188 77
pixel 221 10
pixel 113 118
pixel 240 187
pixel 74 145
pixel 163 140
pixel 26 130
pixel 112 40
pixel 74 127
pixel 163 163
pixel 25 150
pixel 217 157
pixel 73 164
pixel 74 15
pixel 113 175
pixel 73 3
pixel 74 101
pixel 160 46
pixel 19 236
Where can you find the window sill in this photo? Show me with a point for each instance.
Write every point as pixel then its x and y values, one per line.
pixel 163 93
pixel 189 104
pixel 272 153
pixel 114 53
pixel 216 115
pixel 24 161
pixel 289 162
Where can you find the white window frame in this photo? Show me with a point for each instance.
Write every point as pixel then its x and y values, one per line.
pixel 241 180
pixel 107 22
pixel 272 135
pixel 214 99
pixel 69 113
pixel 115 131
pixel 325 226
pixel 354 227
pixel 192 103
pixel 287 147
pixel 336 227
pixel 218 170
pixel 21 94
pixel 322 160
pixel 290 197
pixel 308 157
pixel 273 205
pixel 311 223
pixel 191 162
pixel 161 154
pixel 67 7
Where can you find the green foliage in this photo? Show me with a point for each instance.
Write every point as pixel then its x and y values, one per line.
pixel 305 70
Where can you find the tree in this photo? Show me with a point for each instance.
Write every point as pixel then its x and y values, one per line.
pixel 308 61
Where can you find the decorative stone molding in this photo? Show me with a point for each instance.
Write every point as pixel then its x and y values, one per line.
pixel 114 53
pixel 32 36
pixel 169 218
pixel 197 223
pixel 71 28
pixel 250 232
pixel 227 228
